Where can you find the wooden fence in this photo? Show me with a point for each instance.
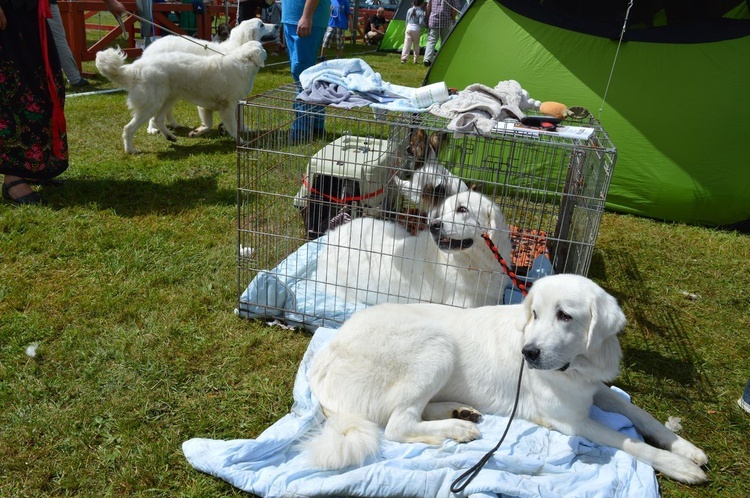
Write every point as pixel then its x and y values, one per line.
pixel 78 16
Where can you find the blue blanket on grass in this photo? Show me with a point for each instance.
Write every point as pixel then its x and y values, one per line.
pixel 532 461
pixel 290 294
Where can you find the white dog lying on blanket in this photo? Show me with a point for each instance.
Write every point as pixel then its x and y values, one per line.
pixel 425 373
pixel 373 261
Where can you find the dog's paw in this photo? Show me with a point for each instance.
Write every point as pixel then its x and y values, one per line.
pixel 201 130
pixel 152 131
pixel 679 468
pixel 689 450
pixel 464 431
pixel 686 472
pixel 467 413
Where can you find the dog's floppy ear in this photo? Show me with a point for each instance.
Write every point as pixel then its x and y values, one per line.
pixel 603 352
pixel 436 141
pixel 254 51
pixel 525 318
pixel 496 221
pixel 417 147
pixel 607 319
pixel 433 194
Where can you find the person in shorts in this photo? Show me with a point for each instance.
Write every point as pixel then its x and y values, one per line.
pixel 337 26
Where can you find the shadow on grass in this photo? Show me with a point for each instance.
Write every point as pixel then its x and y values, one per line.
pixel 662 347
pixel 139 197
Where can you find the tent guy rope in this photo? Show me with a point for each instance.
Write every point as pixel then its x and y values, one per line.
pixel 614 61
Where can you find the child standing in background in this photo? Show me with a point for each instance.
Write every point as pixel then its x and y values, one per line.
pixel 415 21
pixel 337 26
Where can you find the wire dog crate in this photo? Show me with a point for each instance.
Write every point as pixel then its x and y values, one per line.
pixel 348 164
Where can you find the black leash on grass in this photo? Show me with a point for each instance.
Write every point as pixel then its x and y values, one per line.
pixel 464 479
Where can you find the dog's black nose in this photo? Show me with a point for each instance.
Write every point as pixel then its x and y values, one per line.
pixel 531 353
pixel 435 227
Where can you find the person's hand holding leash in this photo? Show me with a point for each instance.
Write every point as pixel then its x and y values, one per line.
pixel 115 7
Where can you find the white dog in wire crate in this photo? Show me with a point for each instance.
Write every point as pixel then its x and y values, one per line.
pixel 372 261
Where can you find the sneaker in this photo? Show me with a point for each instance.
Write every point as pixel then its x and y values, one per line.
pixel 81 82
pixel 403 61
pixel 744 404
pixel 426 63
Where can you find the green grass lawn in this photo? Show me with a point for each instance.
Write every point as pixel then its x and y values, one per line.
pixel 127 281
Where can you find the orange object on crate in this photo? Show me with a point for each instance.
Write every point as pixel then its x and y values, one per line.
pixel 527 245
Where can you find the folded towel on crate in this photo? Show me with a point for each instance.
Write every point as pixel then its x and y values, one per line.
pixel 353 74
pixel 333 94
pixel 533 461
pixel 349 83
pixel 483 105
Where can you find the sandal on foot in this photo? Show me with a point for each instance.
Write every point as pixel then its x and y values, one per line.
pixel 28 199
pixel 52 182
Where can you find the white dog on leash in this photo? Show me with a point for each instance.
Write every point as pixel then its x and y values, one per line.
pixel 249 30
pixel 154 84
pixel 372 261
pixel 426 372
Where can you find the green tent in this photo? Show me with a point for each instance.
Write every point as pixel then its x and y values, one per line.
pixel 675 104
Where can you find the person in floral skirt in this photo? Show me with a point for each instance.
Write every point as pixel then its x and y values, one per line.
pixel 33 140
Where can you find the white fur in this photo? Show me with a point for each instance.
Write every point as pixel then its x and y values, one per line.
pixel 410 369
pixel 373 261
pixel 249 30
pixel 215 82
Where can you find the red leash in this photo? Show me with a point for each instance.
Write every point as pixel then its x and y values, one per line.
pixel 58 116
pixel 338 200
pixel 514 278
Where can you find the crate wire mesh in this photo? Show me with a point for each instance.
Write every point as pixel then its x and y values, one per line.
pixel 551 190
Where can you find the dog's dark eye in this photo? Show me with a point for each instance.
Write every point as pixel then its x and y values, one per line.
pixel 462 209
pixel 533 313
pixel 563 317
